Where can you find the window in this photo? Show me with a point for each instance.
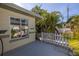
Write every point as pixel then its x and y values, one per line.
pixel 19 28
pixel 24 27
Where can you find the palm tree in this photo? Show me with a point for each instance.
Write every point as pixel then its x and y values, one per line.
pixel 53 20
pixel 49 21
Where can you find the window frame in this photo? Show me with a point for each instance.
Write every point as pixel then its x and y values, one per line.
pixel 27 36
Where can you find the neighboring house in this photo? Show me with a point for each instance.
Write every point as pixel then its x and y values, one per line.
pixel 20 24
pixel 63 30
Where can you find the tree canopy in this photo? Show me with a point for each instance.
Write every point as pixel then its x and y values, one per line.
pixel 74 22
pixel 50 20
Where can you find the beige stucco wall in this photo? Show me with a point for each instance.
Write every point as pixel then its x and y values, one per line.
pixel 5 24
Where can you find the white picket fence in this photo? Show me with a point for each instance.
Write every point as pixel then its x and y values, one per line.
pixel 54 38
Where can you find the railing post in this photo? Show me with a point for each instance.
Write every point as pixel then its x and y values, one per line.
pixel 41 35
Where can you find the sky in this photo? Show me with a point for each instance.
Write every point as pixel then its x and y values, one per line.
pixel 62 7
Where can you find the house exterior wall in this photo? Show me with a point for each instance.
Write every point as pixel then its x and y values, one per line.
pixel 5 24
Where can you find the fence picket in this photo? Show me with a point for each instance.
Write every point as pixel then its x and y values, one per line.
pixel 54 38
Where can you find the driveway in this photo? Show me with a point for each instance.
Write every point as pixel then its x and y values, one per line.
pixel 37 48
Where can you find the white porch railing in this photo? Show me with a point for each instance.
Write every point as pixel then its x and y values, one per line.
pixel 54 38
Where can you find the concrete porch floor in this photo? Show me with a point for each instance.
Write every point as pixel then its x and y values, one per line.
pixel 37 48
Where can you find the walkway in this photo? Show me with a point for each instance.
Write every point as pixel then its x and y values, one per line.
pixel 37 48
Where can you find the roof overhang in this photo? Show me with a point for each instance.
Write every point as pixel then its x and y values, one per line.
pixel 14 7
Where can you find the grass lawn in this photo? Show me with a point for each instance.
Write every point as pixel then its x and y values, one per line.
pixel 74 44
